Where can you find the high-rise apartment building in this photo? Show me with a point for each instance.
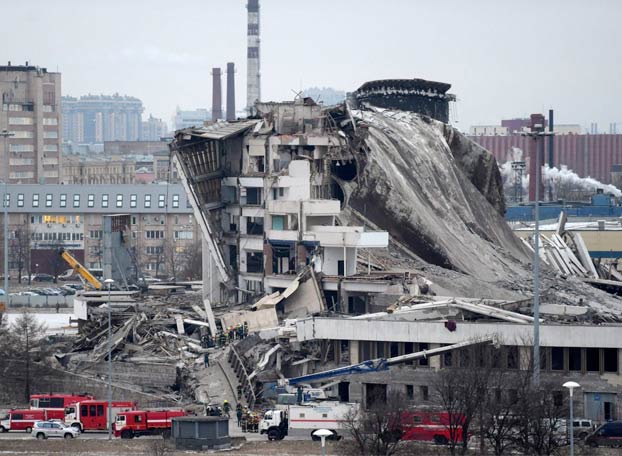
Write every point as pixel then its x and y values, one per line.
pixel 191 118
pixel 31 111
pixel 94 119
pixel 153 129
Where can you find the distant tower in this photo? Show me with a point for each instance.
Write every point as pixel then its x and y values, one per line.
pixel 230 91
pixel 253 78
pixel 216 95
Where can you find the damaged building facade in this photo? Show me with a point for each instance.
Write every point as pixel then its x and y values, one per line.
pixel 347 234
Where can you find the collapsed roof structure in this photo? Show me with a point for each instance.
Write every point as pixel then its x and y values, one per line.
pixel 367 230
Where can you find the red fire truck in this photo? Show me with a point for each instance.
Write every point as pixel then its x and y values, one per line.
pixel 136 423
pixel 22 420
pixel 428 425
pixel 57 405
pixel 92 415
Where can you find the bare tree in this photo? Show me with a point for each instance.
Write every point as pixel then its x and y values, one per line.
pixel 462 392
pixel 192 261
pixel 19 249
pixel 377 430
pixel 172 258
pixel 27 337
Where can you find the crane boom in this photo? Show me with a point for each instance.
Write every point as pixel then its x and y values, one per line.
pixel 84 272
pixel 382 364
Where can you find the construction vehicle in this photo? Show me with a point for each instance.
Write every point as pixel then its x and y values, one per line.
pixel 138 422
pixel 310 416
pixel 84 273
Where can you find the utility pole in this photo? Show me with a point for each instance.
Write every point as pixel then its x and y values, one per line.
pixel 5 204
pixel 537 133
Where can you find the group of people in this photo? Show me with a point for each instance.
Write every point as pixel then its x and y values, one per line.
pixel 224 337
pixel 247 419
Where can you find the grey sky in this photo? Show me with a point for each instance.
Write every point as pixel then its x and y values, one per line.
pixel 504 59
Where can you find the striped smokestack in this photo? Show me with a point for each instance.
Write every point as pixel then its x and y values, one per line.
pixel 253 78
pixel 216 95
pixel 230 91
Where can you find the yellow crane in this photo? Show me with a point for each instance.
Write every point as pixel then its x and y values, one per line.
pixel 84 273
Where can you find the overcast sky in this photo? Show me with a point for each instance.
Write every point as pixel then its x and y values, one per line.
pixel 504 59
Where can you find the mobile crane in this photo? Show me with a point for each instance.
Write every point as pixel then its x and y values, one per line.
pixel 84 273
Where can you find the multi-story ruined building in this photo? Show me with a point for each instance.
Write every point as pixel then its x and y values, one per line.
pixel 273 206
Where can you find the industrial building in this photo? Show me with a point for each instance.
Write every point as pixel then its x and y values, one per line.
pixel 31 112
pixel 48 217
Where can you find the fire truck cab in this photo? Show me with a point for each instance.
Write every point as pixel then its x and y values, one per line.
pixel 92 415
pixel 136 423
pixel 22 420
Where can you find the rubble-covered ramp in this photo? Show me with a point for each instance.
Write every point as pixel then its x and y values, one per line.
pixel 412 185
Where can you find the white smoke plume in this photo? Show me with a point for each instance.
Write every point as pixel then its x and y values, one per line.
pixel 554 177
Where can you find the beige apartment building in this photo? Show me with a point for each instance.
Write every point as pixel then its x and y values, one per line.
pixel 91 171
pixel 31 113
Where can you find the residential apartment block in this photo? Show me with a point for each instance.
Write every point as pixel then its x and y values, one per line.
pixel 50 217
pixel 31 112
pixel 97 118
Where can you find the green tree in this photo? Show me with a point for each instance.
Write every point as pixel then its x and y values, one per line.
pixel 27 337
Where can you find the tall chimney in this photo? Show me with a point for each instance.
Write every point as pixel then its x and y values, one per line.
pixel 216 95
pixel 537 150
pixel 230 91
pixel 253 78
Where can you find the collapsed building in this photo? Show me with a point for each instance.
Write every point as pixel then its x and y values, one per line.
pixel 366 231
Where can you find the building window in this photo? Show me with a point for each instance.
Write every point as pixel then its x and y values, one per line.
pixel 20 120
pixel 91 200
pixel 119 200
pixel 574 359
pixel 147 201
pixel 50 148
pixel 104 200
pixel 154 234
pixel 278 222
pixel 161 201
pixel 76 200
pixel 35 200
pixel 557 358
pixel 63 200
pixel 50 135
pixel 48 200
pixel 425 393
pixel 184 235
pixel 50 121
pixel 254 261
pixel 20 200
pixel 21 148
pixel 410 392
pixel 175 201
pixel 7 199
pixel 133 199
pixel 23 135
pixel 611 359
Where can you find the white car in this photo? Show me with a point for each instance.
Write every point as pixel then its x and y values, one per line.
pixel 45 429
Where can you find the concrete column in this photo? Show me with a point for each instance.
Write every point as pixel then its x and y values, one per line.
pixel 354 352
pixel 435 361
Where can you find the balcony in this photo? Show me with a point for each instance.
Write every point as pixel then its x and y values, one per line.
pixel 345 236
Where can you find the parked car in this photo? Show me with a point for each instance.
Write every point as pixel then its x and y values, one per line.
pixel 43 278
pixel 67 290
pixel 608 434
pixel 52 292
pixel 53 428
pixel 582 427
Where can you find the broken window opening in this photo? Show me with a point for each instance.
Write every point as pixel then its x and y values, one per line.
pixel 344 169
pixel 254 225
pixel 592 359
pixel 336 192
pixel 574 359
pixel 512 358
pixel 557 358
pixel 424 346
pixel 254 262
pixel 610 356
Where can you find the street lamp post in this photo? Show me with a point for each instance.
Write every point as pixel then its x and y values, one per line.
pixel 322 434
pixel 571 386
pixel 109 283
pixel 5 204
pixel 537 134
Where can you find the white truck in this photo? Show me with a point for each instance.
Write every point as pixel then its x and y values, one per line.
pixel 304 419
